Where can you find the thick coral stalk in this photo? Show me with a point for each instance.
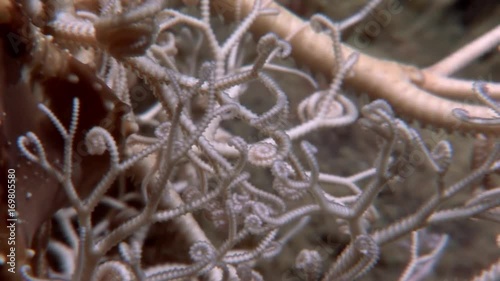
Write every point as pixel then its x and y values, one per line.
pixel 380 79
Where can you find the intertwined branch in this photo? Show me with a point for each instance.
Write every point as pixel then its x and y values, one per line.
pixel 171 157
pixel 418 94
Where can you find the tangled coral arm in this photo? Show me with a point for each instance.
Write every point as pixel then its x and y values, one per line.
pixel 401 85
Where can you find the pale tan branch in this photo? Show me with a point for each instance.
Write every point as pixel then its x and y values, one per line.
pixel 465 55
pixel 452 88
pixel 380 79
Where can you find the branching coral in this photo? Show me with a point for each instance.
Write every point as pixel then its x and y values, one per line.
pixel 130 131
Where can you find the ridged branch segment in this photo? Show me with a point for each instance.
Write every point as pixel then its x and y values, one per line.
pixel 380 79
